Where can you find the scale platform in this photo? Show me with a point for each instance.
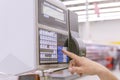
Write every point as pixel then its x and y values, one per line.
pixel 63 75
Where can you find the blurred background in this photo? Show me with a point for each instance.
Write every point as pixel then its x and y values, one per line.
pixel 100 21
pixel 98 25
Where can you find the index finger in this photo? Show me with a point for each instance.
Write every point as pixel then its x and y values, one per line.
pixel 70 54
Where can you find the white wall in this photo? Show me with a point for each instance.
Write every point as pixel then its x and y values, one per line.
pixel 104 31
pixel 17 36
pixel 81 30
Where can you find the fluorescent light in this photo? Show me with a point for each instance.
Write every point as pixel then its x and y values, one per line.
pixel 104 5
pixel 79 1
pixel 81 7
pixel 100 10
pixel 104 16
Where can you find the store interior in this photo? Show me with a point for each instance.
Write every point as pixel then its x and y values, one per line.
pixel 99 28
pixel 34 32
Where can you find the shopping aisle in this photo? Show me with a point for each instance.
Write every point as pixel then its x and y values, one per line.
pixel 115 72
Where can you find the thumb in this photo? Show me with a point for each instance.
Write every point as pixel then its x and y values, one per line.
pixel 77 70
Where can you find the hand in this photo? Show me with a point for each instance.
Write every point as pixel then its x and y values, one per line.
pixel 82 65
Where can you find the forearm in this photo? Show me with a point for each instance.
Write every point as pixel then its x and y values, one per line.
pixel 86 66
pixel 105 74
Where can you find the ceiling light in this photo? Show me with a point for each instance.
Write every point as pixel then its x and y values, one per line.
pixel 79 1
pixel 104 5
pixel 100 11
pixel 104 16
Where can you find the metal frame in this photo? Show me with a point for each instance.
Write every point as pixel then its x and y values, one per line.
pixel 40 26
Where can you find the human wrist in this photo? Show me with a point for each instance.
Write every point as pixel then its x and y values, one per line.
pixel 102 70
pixel 105 74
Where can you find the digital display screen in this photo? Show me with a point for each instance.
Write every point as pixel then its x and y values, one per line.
pixel 51 45
pixel 52 11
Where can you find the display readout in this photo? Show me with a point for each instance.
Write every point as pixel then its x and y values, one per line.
pixel 52 11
